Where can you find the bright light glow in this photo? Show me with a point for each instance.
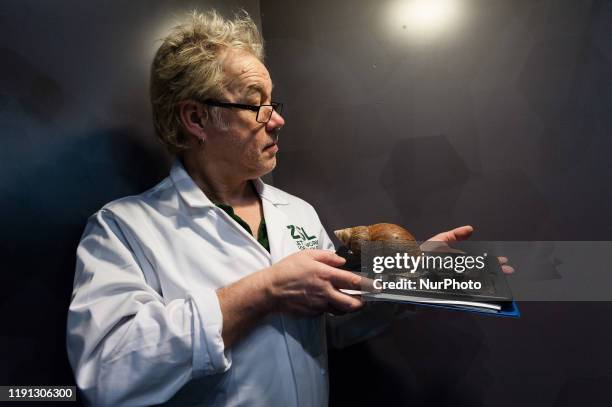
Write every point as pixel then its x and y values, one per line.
pixel 423 17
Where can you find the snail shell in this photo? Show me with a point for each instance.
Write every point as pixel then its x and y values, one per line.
pixel 353 237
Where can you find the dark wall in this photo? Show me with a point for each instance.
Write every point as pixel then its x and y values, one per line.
pixel 76 133
pixel 502 120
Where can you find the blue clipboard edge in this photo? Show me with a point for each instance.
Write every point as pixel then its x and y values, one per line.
pixel 509 309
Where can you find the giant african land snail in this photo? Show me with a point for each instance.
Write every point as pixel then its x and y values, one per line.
pixel 353 237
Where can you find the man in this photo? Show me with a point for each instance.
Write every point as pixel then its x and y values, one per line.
pixel 194 292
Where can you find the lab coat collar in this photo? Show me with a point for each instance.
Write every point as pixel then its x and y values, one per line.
pixel 187 188
pixel 194 197
pixel 269 193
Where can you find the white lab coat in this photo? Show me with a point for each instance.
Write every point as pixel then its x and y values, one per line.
pixel 144 325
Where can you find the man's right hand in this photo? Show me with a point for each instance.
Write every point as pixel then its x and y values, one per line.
pixel 307 283
pixel 304 284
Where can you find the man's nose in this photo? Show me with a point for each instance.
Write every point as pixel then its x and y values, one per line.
pixel 275 121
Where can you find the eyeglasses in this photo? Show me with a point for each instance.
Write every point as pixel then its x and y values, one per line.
pixel 264 112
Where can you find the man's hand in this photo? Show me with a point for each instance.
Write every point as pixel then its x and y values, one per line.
pixel 441 240
pixel 455 235
pixel 304 283
pixel 307 283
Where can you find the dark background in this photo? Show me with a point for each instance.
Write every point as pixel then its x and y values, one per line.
pixel 76 132
pixel 501 121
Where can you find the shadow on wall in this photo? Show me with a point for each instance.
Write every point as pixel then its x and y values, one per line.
pixel 52 179
pixel 420 182
pixel 37 95
pixel 431 185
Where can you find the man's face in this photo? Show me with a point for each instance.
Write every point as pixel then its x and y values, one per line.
pixel 244 147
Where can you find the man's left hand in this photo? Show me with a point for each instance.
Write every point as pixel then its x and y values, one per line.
pixel 463 233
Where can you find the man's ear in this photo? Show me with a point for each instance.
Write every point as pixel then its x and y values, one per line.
pixel 193 117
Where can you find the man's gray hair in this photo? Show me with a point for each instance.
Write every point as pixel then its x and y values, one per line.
pixel 189 63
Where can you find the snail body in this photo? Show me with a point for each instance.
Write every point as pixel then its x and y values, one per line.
pixel 355 236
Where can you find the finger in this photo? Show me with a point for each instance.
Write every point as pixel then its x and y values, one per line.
pixel 507 269
pixel 438 247
pixel 502 260
pixel 344 279
pixel 432 246
pixel 343 302
pixel 327 257
pixel 367 284
pixel 455 235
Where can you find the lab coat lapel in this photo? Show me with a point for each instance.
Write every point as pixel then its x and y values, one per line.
pixel 276 222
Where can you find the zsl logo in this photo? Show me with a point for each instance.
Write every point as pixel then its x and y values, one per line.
pixel 298 233
pixel 301 238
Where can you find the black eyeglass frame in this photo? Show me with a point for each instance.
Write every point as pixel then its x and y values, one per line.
pixel 276 107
